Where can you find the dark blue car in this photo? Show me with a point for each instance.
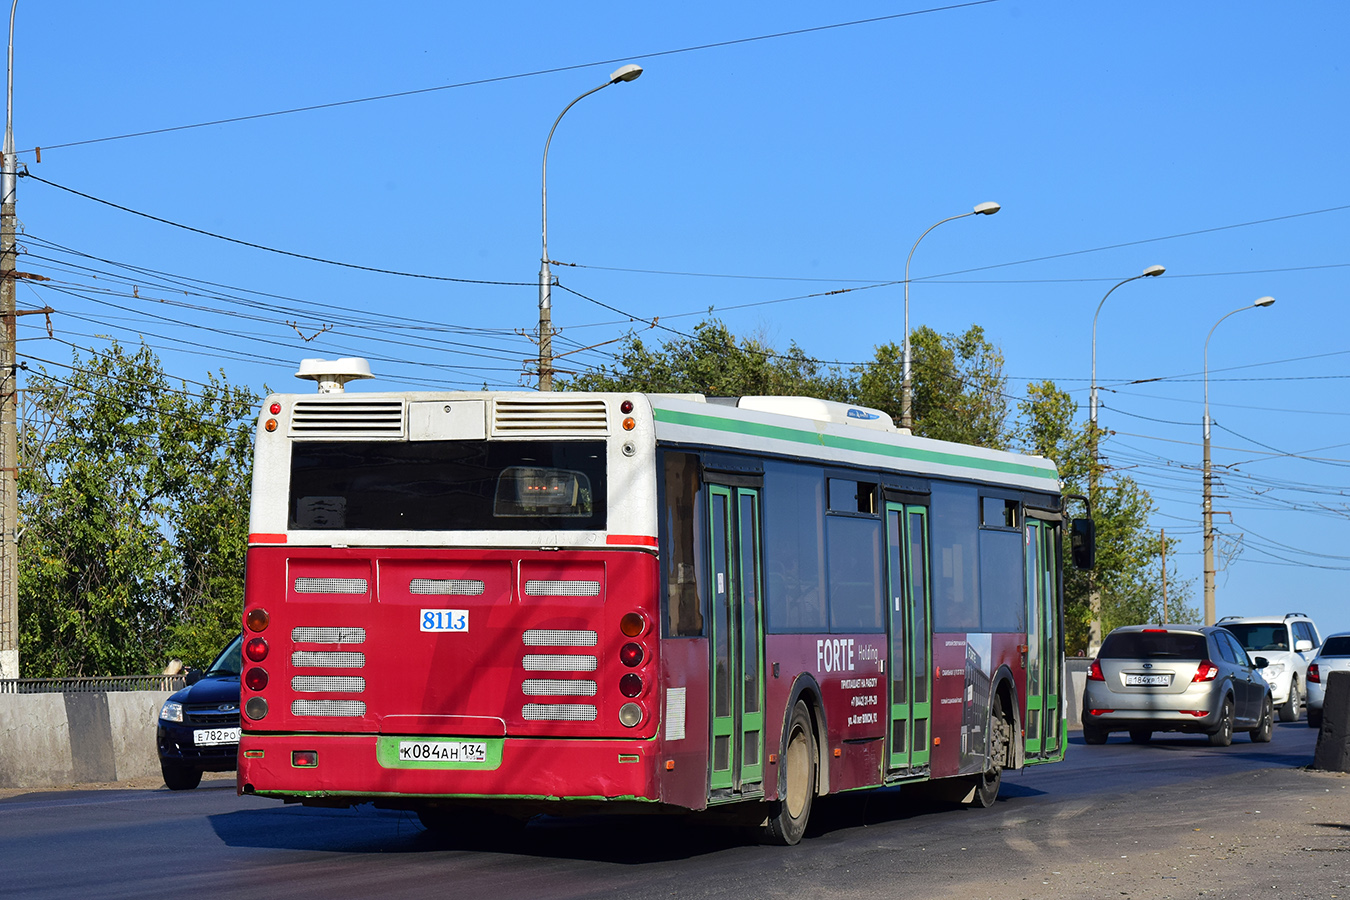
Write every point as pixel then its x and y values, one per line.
pixel 199 726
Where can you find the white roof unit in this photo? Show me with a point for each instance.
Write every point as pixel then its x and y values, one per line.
pixel 333 374
pixel 821 411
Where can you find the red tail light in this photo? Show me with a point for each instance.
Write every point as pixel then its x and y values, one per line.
pixel 1095 672
pixel 256 649
pixel 631 654
pixel 256 678
pixel 1205 672
pixel 1314 674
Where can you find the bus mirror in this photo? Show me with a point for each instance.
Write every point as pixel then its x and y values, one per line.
pixel 1083 543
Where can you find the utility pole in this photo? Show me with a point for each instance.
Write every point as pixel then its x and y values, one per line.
pixel 9 383
pixel 1163 532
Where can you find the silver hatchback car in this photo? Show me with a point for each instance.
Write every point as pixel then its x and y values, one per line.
pixel 1188 678
pixel 1333 657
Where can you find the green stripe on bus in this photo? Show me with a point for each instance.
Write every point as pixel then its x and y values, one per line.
pixel 858 445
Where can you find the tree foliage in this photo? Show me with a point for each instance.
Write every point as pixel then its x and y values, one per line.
pixel 1129 551
pixel 134 514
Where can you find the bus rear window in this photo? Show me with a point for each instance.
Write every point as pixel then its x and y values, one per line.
pixel 1153 645
pixel 448 485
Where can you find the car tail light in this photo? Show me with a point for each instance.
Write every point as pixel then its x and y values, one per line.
pixel 1155 631
pixel 1198 713
pixel 256 649
pixel 256 678
pixel 1099 712
pixel 1314 674
pixel 1205 672
pixel 1095 672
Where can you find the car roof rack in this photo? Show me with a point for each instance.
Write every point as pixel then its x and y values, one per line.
pixel 1296 615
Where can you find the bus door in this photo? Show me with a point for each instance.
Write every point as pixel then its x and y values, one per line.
pixel 1042 653
pixel 911 636
pixel 737 640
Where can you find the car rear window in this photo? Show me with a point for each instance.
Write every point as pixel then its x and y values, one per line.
pixel 1336 646
pixel 1153 645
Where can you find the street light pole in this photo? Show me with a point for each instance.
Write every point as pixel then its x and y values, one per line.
pixel 623 73
pixel 1094 595
pixel 906 386
pixel 1207 503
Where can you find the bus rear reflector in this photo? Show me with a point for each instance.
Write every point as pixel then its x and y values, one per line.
pixel 304 759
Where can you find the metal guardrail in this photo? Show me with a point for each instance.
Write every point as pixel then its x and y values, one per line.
pixel 91 685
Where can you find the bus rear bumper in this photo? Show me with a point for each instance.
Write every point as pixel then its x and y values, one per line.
pixel 370 767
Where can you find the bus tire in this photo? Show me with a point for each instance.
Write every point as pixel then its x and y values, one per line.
pixel 787 818
pixel 988 784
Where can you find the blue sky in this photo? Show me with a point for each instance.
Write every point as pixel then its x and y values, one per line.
pixel 1209 138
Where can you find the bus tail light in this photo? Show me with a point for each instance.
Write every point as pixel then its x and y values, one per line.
pixel 632 624
pixel 1095 672
pixel 305 759
pixel 1314 674
pixel 630 685
pixel 255 708
pixel 630 715
pixel 256 678
pixel 1205 672
pixel 257 619
pixel 256 649
pixel 631 654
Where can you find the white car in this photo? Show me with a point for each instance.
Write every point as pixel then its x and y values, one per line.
pixel 1289 643
pixel 1333 657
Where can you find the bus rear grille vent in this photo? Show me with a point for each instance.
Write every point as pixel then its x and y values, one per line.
pixel 543 637
pixel 455 587
pixel 336 684
pixel 557 712
pixel 348 418
pixel 331 586
pixel 549 662
pixel 354 708
pixel 328 659
pixel 512 417
pixel 326 635
pixel 557 687
pixel 536 588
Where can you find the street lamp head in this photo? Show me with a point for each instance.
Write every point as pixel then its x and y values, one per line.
pixel 629 72
pixel 1154 270
pixel 987 209
pixel 1265 301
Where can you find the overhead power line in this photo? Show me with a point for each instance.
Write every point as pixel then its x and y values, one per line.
pixel 519 75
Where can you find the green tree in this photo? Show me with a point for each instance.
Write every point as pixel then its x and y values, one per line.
pixel 714 362
pixel 1128 551
pixel 133 507
pixel 959 386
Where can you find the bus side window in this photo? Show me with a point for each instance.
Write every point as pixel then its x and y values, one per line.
pixel 682 523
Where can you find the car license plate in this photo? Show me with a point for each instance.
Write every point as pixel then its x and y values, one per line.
pixel 1148 680
pixel 214 737
pixel 442 751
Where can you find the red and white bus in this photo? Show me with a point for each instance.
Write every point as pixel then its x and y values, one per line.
pixel 478 605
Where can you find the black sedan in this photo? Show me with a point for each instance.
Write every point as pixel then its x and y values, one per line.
pixel 199 726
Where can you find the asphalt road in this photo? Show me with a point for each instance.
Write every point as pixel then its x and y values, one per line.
pixel 1065 830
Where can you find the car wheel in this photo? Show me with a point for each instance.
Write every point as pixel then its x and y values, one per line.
pixel 180 778
pixel 1095 734
pixel 1141 735
pixel 1262 732
pixel 1289 712
pixel 787 824
pixel 1314 718
pixel 1223 736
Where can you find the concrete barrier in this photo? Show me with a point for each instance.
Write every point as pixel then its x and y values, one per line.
pixel 47 740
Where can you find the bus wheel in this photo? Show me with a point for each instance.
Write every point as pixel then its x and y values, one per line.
pixel 987 785
pixel 787 820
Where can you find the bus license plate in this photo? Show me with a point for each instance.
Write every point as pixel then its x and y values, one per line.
pixel 214 737
pixel 442 751
pixel 1148 680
